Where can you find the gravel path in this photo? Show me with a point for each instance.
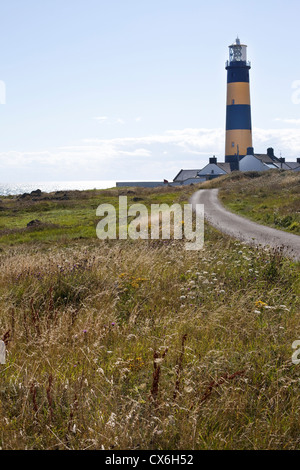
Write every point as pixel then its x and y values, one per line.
pixel 244 229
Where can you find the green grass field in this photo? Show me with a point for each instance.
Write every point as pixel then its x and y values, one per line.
pixel 142 344
pixel 70 215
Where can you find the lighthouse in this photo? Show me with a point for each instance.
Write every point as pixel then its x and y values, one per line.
pixel 238 111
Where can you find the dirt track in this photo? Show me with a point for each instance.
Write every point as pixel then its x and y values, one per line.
pixel 242 228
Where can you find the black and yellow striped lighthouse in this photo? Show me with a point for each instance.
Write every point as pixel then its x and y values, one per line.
pixel 238 113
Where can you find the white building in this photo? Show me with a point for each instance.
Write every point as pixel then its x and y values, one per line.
pixel 251 162
pixel 214 169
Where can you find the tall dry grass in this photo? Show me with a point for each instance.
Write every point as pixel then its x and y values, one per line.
pixel 143 345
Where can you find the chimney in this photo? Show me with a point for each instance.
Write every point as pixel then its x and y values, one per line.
pixel 270 152
pixel 282 160
pixel 250 151
pixel 213 160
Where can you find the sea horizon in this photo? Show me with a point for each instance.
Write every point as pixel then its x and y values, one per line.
pixel 14 189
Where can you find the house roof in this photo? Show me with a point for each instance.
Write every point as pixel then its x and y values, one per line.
pixel 186 174
pixel 290 165
pixel 214 168
pixel 266 159
pixel 225 167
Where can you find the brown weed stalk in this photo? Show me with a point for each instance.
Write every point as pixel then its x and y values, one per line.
pixel 49 397
pixel 178 367
pixel 215 384
pixel 6 338
pixel 156 374
pixel 33 388
pixel 35 317
pixel 13 321
pixel 73 409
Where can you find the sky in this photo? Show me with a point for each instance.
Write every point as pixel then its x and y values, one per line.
pixel 136 89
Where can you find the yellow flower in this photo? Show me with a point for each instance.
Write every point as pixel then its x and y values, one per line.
pixel 259 303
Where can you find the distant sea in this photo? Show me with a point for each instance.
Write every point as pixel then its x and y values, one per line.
pixel 8 189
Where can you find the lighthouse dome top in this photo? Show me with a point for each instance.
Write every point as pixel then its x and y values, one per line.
pixel 237 52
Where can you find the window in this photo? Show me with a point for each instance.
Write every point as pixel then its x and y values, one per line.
pixel 233 101
pixel 232 144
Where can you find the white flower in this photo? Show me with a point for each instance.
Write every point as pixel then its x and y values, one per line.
pixel 131 336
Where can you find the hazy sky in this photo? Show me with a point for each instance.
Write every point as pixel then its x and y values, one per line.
pixel 127 89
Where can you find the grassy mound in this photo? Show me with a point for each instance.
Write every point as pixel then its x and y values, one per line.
pixel 270 198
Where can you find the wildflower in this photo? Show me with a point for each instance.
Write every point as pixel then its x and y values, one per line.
pixel 259 303
pixel 131 336
pixel 284 307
